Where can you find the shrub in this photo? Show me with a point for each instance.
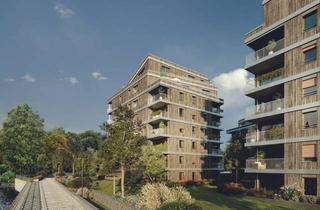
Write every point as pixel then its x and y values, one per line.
pixel 61 179
pixel 76 182
pixel 4 168
pixel 84 192
pixel 179 205
pixel 289 193
pixel 232 189
pixel 270 194
pixel 8 177
pixel 152 196
pixel 308 199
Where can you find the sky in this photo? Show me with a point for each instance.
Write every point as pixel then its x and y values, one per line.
pixel 65 58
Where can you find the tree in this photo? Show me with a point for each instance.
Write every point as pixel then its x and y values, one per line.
pixel 236 154
pixel 123 146
pixel 90 139
pixel 153 161
pixel 21 140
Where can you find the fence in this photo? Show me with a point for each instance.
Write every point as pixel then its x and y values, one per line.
pixel 109 201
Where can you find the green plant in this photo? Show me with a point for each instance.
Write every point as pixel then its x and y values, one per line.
pixel 261 155
pixel 8 177
pixel 76 182
pixel 308 199
pixel 162 125
pixel 153 196
pixel 179 205
pixel 155 113
pixel 271 45
pixel 289 193
pixel 4 168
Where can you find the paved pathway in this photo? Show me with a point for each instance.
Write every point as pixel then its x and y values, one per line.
pixel 58 197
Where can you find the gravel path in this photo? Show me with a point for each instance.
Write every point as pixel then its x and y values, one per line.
pixel 60 198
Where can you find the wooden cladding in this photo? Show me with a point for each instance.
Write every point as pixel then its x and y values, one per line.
pixel 309 48
pixel 309 83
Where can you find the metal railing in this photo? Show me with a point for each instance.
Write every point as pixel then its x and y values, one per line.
pixel 270 106
pixel 157 132
pixel 216 152
pixel 259 54
pixel 263 164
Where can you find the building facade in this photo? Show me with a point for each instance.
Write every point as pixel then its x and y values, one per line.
pixel 286 114
pixel 179 108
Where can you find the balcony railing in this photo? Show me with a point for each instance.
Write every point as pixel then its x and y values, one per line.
pixel 215 124
pixel 157 132
pixel 214 110
pixel 216 152
pixel 271 106
pixel 275 133
pixel 159 96
pixel 259 54
pixel 264 164
pixel 157 114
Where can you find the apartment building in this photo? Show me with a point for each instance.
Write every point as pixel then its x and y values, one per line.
pixel 286 65
pixel 179 108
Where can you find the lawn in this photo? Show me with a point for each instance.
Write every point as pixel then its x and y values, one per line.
pixel 106 186
pixel 208 198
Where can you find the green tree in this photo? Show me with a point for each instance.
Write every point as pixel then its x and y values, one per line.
pixel 236 154
pixel 123 147
pixel 21 140
pixel 153 161
pixel 90 140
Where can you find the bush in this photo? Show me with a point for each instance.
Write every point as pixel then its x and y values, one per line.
pixel 152 196
pixel 270 194
pixel 76 182
pixel 4 168
pixel 308 199
pixel 289 193
pixel 8 177
pixel 232 189
pixel 179 205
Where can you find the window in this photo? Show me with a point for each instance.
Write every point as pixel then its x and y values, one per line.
pixel 310 119
pixel 181 130
pixel 310 186
pixel 180 143
pixel 310 20
pixel 205 90
pixel 193 145
pixel 310 53
pixel 193 130
pixel 181 176
pixel 181 112
pixel 309 152
pixel 191 77
pixel 194 117
pixel 135 89
pixel 181 158
pixel 135 104
pixel 141 71
pixel 193 176
pixel 309 86
pixel 194 100
pixel 164 71
pixel 181 96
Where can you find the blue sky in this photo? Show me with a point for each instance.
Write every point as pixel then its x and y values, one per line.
pixel 65 58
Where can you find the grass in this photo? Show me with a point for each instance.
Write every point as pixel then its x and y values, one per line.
pixel 106 186
pixel 208 198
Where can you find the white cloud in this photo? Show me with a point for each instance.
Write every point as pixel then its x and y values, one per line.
pixel 72 80
pixel 232 86
pixel 63 11
pixel 28 78
pixel 10 80
pixel 98 76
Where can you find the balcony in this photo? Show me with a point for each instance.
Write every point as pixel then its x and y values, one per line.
pixel 215 124
pixel 157 101
pixel 157 133
pixel 157 116
pixel 265 164
pixel 275 133
pixel 214 110
pixel 272 47
pixel 271 106
pixel 216 152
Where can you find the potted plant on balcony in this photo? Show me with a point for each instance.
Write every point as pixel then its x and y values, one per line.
pixel 271 45
pixel 155 113
pixel 162 126
pixel 162 93
pixel 260 156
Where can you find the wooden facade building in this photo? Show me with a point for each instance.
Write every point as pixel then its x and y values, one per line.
pixel 286 65
pixel 179 108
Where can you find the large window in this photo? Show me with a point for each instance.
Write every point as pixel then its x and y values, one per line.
pixel 181 96
pixel 180 143
pixel 194 100
pixel 181 176
pixel 309 152
pixel 181 112
pixel 310 119
pixel 310 20
pixel 309 86
pixel 164 71
pixel 310 53
pixel 310 186
pixel 181 159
